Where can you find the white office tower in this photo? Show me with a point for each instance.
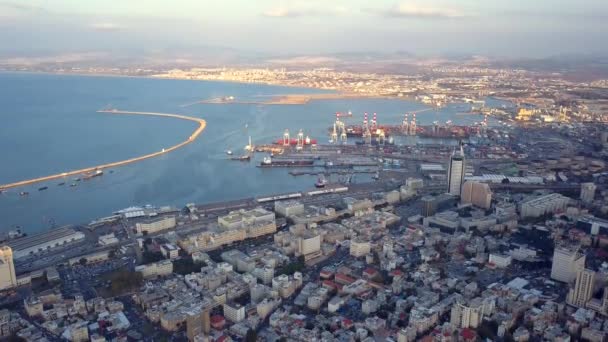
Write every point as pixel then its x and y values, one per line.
pixel 587 192
pixel 8 278
pixel 456 173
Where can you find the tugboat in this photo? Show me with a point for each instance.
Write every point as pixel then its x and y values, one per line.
pixel 321 182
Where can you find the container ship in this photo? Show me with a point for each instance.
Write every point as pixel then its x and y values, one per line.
pixel 282 162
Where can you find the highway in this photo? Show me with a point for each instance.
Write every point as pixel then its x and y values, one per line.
pixel 202 124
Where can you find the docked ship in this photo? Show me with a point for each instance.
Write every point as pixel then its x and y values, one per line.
pixel 275 162
pixel 90 175
pixel 245 157
pixel 321 182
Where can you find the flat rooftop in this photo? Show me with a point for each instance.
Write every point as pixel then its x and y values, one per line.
pixel 37 239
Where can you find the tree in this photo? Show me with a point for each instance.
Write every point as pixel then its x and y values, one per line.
pixel 112 254
pixel 124 280
pixel 252 336
pixel 82 261
pixel 505 180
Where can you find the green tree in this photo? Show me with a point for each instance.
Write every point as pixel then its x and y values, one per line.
pixel 252 336
pixel 82 261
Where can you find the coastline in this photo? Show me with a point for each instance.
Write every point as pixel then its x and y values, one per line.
pixel 193 136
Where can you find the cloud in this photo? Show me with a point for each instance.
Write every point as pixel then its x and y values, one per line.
pixel 294 12
pixel 417 10
pixel 107 27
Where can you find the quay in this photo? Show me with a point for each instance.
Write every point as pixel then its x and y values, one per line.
pixel 202 124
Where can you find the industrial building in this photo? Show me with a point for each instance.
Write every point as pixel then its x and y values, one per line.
pixel 38 243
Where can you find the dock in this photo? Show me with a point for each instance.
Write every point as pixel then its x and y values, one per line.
pixel 202 124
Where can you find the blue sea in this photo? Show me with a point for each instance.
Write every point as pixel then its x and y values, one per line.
pixel 49 125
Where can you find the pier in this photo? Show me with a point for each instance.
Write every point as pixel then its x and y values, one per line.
pixel 202 124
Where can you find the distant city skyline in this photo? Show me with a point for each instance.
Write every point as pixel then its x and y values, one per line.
pixel 515 28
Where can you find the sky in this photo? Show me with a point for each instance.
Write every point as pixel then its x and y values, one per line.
pixel 510 28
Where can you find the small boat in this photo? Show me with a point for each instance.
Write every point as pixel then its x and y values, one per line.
pixel 111 171
pixel 24 193
pixel 77 179
pixel 43 188
pixel 321 182
pixel 73 184
pixel 60 184
pixel 244 157
pixel 229 152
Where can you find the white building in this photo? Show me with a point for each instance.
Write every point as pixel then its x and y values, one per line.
pixel 155 269
pixel 587 192
pixel 289 208
pixel 567 262
pixel 39 243
pixel 545 204
pixel 234 312
pixel 499 260
pixel 108 239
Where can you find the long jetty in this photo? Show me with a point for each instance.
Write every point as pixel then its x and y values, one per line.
pixel 202 124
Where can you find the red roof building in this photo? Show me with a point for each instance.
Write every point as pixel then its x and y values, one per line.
pixel 217 322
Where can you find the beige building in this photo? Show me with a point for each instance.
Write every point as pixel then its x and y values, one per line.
pixel 478 194
pixel 243 218
pixel 359 248
pixel 155 225
pixel 288 208
pixel 471 315
pixel 8 278
pixel 567 262
pixel 309 245
pixel 583 288
pixel 156 269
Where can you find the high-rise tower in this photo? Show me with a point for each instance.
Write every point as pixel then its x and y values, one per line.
pixel 456 172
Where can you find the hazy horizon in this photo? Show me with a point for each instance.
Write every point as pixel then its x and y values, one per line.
pixel 281 28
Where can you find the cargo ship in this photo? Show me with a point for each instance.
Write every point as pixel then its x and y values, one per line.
pixel 270 162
